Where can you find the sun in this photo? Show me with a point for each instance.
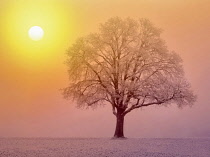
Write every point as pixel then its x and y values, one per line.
pixel 36 33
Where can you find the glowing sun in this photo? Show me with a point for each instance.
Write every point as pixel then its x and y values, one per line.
pixel 36 33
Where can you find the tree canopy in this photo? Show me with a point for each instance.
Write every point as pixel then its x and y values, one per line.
pixel 126 64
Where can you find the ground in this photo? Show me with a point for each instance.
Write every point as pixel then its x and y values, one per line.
pixel 104 147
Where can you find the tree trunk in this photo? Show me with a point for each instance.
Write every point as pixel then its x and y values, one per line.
pixel 119 124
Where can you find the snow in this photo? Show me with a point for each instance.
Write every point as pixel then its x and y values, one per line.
pixel 104 147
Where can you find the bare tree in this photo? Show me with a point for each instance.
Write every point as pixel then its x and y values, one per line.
pixel 127 65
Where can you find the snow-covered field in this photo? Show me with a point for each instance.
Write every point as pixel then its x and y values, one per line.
pixel 102 147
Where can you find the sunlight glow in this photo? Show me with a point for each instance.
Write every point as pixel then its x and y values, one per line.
pixel 49 23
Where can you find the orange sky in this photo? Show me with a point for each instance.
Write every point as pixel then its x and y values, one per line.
pixel 31 103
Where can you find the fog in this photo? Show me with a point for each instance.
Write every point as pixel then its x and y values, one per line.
pixel 31 104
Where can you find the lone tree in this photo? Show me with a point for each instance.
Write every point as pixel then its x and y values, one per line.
pixel 126 64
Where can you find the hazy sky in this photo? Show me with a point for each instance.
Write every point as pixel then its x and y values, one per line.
pixel 31 74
